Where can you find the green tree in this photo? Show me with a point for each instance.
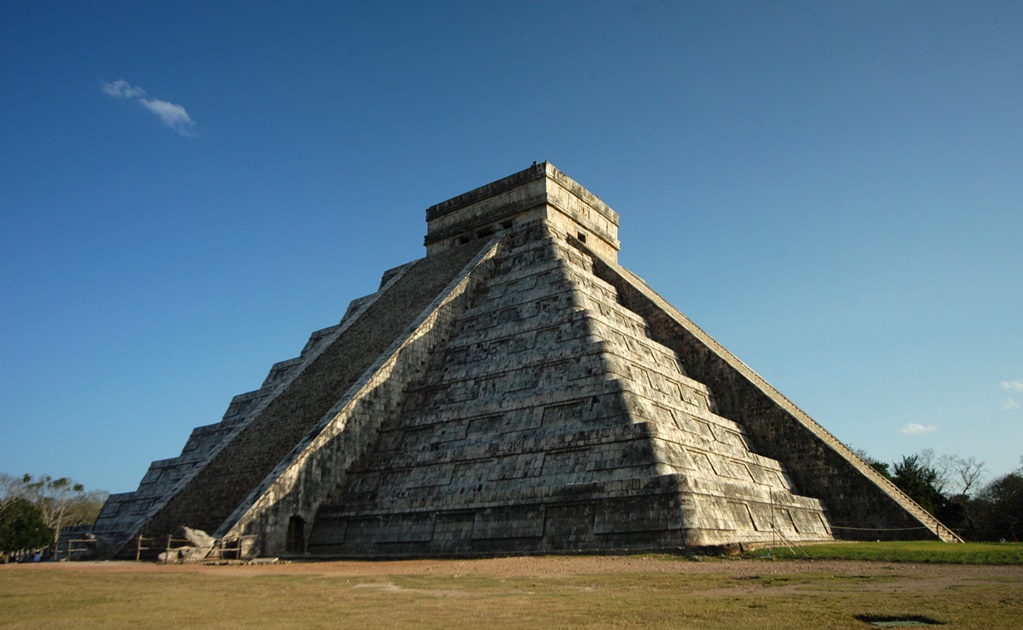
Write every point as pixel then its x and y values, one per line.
pixel 22 526
pixel 1001 507
pixel 61 501
pixel 918 480
pixel 879 466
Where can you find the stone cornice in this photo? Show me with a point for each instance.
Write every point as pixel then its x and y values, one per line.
pixel 542 184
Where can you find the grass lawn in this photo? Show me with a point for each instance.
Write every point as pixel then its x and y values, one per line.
pixel 914 551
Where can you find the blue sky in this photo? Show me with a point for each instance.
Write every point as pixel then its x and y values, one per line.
pixel 833 190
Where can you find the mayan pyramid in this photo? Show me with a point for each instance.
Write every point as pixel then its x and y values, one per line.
pixel 514 391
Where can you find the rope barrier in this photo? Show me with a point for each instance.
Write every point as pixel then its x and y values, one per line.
pixel 880 529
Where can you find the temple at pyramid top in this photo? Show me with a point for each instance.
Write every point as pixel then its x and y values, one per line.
pixel 540 192
pixel 515 391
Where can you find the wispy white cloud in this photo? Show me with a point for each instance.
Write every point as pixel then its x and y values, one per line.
pixel 1010 404
pixel 122 89
pixel 913 428
pixel 1016 385
pixel 171 114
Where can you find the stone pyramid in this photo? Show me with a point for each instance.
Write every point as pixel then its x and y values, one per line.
pixel 515 391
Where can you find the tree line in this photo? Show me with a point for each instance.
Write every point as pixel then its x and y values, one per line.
pixel 33 511
pixel 953 489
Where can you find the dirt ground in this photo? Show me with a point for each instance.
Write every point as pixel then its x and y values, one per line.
pixel 924 577
pixel 516 592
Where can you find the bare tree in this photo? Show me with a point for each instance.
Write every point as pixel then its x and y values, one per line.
pixel 940 466
pixel 54 497
pixel 968 473
pixel 954 475
pixel 84 508
pixel 9 486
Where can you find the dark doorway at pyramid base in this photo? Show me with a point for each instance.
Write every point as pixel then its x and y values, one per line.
pixel 296 535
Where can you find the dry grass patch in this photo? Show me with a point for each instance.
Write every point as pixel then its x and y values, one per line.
pixel 510 592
